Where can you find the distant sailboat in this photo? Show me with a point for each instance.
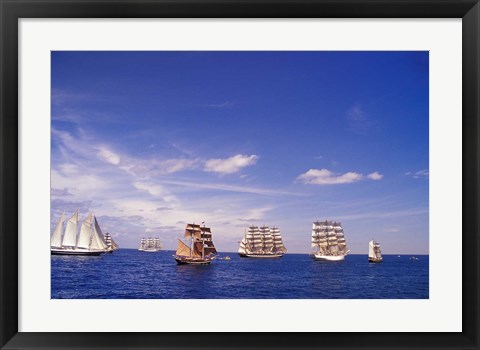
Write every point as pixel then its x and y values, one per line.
pixel 263 242
pixel 90 240
pixel 374 252
pixel 111 244
pixel 201 250
pixel 150 244
pixel 328 241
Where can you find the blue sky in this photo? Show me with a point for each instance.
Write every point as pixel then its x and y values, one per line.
pixel 151 140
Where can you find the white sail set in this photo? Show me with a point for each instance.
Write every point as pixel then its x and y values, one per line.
pixel 150 244
pixel 111 244
pixel 374 251
pixel 89 241
pixel 263 242
pixel 328 241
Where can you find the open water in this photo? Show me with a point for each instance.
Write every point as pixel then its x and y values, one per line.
pixel 131 274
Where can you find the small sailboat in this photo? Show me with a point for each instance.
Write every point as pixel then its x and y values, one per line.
pixel 90 240
pixel 200 250
pixel 374 252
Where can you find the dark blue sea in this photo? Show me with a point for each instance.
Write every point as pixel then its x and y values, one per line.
pixel 131 274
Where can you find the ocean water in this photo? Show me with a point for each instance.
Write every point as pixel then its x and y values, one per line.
pixel 130 274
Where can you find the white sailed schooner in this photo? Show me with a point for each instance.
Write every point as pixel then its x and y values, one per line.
pixel 90 240
pixel 263 242
pixel 374 252
pixel 150 244
pixel 328 241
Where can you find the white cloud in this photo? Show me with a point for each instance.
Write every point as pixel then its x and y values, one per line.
pixel 156 191
pixel 421 174
pixel 108 156
pixel 68 168
pixel 230 165
pixel 327 177
pixel 375 176
pixel 230 188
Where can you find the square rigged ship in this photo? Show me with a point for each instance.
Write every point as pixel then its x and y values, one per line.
pixel 200 251
pixel 263 242
pixel 328 241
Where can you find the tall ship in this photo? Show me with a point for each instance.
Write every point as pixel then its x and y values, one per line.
pixel 262 242
pixel 199 249
pixel 374 252
pixel 111 244
pixel 150 244
pixel 89 241
pixel 328 241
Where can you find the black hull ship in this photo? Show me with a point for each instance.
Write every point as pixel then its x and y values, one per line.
pixel 200 251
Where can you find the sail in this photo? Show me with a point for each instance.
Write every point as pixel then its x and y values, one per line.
pixel 371 251
pixel 328 238
pixel 85 236
pixel 278 241
pixel 70 236
pixel 56 239
pixel 243 246
pixel 267 238
pixel 193 230
pixel 183 249
pixel 98 240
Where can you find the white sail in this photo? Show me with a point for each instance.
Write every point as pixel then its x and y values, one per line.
pixel 98 240
pixel 371 251
pixel 243 246
pixel 56 239
pixel 70 236
pixel 85 236
pixel 328 238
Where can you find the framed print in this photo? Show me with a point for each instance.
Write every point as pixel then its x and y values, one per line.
pixel 244 174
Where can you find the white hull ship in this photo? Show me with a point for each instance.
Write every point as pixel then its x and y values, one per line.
pixel 263 242
pixel 111 244
pixel 150 245
pixel 374 252
pixel 328 241
pixel 200 251
pixel 90 240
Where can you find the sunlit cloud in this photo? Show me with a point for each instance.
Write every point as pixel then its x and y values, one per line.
pixel 231 188
pixel 375 176
pixel 327 177
pixel 230 165
pixel 108 156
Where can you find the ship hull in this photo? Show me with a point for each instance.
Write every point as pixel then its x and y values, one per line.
pixel 328 257
pixel 260 256
pixel 190 261
pixel 76 252
pixel 149 250
pixel 375 260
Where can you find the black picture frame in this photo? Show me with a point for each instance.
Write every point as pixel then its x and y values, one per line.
pixel 11 11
